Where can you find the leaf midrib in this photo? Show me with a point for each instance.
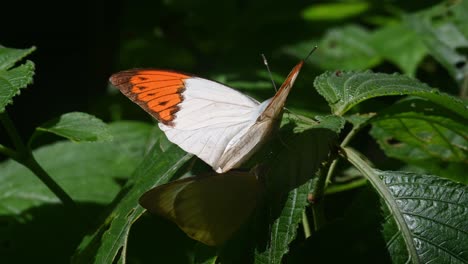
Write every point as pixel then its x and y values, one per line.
pixel 389 199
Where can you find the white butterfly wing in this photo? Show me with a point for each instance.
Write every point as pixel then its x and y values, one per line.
pixel 209 117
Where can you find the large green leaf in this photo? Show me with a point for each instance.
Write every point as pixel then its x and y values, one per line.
pixel 90 172
pixel 442 38
pixel 76 126
pixel 345 48
pixel 343 90
pixel 77 168
pixel 426 219
pixel 418 132
pixel 11 81
pixel 289 184
pixel 109 242
pixel 406 51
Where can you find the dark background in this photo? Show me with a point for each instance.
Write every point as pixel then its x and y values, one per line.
pixel 80 44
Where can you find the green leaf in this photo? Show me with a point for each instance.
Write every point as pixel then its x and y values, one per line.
pixel 345 48
pixel 302 123
pixel 9 56
pixel 110 239
pixel 426 219
pixel 289 185
pixel 334 11
pixel 91 173
pixel 442 39
pixel 78 168
pixel 343 90
pixel 406 51
pixel 76 126
pixel 460 18
pixel 11 81
pixel 359 120
pixel 416 131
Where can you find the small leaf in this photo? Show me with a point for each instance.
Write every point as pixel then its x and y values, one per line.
pixel 77 126
pixel 9 56
pixel 345 48
pixel 347 89
pixel 420 133
pixel 406 51
pixel 302 123
pixel 359 120
pixel 334 11
pixel 426 221
pixel 111 238
pixel 11 81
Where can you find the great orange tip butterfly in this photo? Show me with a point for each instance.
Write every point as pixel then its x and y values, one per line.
pixel 221 126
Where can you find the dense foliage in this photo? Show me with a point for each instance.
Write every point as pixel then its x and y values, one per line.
pixel 369 163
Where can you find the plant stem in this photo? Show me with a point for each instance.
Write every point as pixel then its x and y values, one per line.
pixel 323 180
pixel 464 87
pixel 11 131
pixel 318 211
pixel 343 144
pixel 34 166
pixel 305 224
pixel 8 152
pixel 24 156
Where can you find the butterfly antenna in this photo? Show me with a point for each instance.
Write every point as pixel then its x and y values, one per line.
pixel 269 72
pixel 310 53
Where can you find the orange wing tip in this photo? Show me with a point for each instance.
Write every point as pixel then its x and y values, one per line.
pixel 158 92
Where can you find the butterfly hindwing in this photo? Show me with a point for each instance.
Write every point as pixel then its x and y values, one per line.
pixel 208 208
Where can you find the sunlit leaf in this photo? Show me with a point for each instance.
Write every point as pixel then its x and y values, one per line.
pixel 426 215
pixel 9 56
pixel 343 90
pixel 77 126
pixel 416 131
pixel 11 81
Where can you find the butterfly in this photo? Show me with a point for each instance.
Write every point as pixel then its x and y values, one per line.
pixel 218 124
pixel 221 126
